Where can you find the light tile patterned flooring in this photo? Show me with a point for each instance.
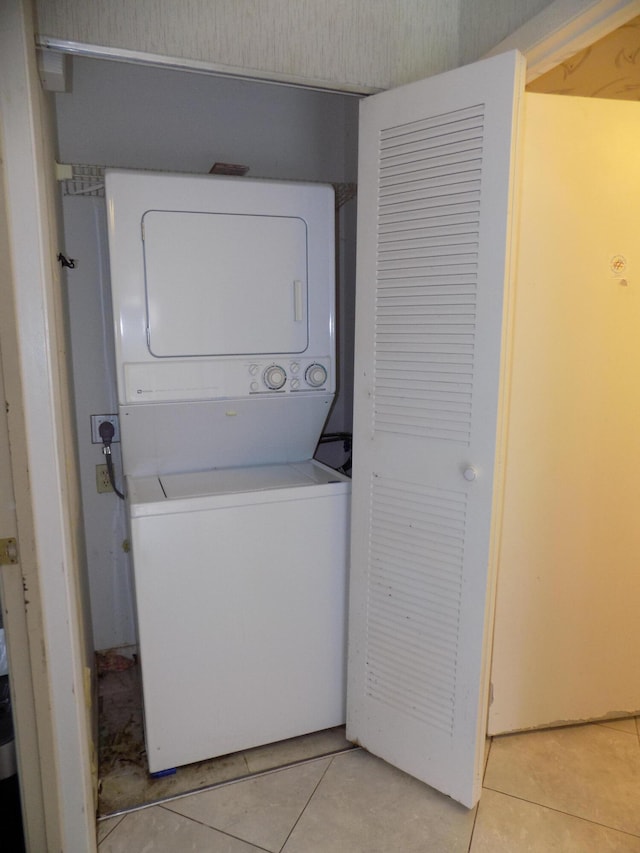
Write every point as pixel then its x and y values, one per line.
pixel 574 790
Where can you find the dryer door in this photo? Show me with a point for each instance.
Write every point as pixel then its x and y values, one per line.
pixel 224 284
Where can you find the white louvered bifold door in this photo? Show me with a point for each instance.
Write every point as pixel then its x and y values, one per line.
pixel 434 227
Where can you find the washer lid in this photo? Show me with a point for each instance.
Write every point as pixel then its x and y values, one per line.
pixel 212 489
pixel 232 480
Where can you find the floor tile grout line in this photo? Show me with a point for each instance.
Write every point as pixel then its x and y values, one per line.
pixel 111 830
pixel 312 795
pixel 562 812
pixel 473 828
pixel 215 829
pixel 190 820
pixel 611 728
pixel 257 775
pixel 477 806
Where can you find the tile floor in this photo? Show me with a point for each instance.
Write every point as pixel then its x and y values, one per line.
pixel 574 790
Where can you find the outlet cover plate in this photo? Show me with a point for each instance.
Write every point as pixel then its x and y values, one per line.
pixel 103 483
pixel 96 420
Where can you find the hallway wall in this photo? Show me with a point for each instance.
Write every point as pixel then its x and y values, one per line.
pixel 566 627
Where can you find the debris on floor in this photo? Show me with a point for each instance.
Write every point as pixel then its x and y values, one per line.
pixel 112 661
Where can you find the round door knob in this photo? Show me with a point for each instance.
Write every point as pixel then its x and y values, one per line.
pixel 470 473
pixel 316 375
pixel 274 377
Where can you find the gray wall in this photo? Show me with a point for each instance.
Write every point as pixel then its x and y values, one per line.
pixel 135 116
pixel 93 367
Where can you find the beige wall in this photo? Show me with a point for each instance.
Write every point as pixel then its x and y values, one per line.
pixel 484 23
pixel 361 44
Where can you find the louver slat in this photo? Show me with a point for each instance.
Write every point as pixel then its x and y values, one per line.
pixel 416 552
pixel 428 227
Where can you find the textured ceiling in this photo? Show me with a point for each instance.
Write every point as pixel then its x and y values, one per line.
pixel 610 68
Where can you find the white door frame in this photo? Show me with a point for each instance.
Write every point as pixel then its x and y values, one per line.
pixel 56 678
pixel 12 594
pixel 52 692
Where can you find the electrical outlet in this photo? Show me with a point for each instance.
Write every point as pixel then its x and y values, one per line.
pixel 103 483
pixel 96 420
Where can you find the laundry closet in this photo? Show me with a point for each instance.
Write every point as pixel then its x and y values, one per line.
pixel 212 331
pixel 548 504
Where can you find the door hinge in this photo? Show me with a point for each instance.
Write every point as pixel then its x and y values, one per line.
pixel 8 551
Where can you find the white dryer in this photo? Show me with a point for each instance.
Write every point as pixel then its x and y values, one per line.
pixel 223 295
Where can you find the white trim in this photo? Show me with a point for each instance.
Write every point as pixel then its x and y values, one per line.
pixel 157 60
pixel 55 628
pixel 563 28
pixel 13 577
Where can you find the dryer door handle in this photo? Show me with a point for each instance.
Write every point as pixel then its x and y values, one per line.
pixel 297 301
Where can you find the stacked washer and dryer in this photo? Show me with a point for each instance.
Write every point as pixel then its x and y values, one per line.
pixel 224 318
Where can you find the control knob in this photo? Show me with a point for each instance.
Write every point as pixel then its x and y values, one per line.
pixel 274 377
pixel 315 375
